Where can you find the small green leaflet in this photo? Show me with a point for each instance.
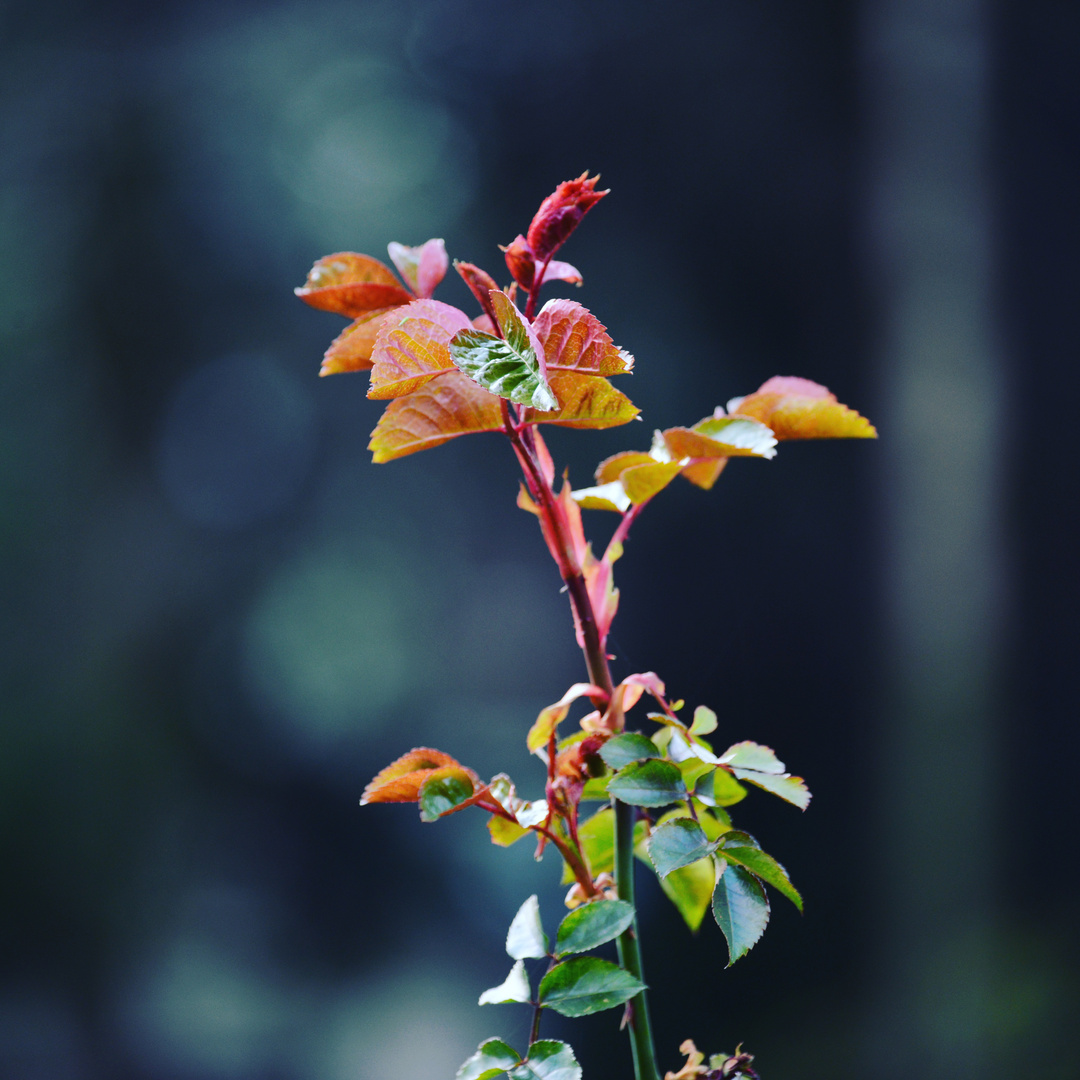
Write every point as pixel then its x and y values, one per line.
pixel 593 924
pixel 510 366
pixel 515 988
pixel 587 984
pixel 548 1059
pixel 630 746
pixel 491 1058
pixel 648 783
pixel 741 909
pixel 758 765
pixel 448 788
pixel 743 850
pixel 526 939
pixel 678 843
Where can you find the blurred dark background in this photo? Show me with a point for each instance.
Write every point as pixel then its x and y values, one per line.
pixel 221 619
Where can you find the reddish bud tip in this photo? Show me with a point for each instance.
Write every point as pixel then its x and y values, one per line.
pixel 520 261
pixel 560 213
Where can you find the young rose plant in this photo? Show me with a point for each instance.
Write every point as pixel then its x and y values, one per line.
pixel 664 794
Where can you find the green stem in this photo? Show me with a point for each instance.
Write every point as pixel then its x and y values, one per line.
pixel 641 1041
pixel 596 662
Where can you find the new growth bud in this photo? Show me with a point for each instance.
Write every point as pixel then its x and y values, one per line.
pixel 560 214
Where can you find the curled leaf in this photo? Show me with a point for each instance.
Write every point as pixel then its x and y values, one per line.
pixel 351 284
pixel 402 779
pixel 446 790
pixel 800 409
pixel 515 988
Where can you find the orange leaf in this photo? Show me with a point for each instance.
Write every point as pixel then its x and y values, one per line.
pixel 413 348
pixel 800 409
pixel 586 401
pixel 576 340
pixel 351 285
pixel 351 349
pixel 401 780
pixel 440 410
pixel 613 467
pixel 704 473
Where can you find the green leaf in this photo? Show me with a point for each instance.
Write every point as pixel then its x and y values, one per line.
pixel 595 788
pixel 791 789
pixel 503 832
pixel 597 837
pixel 741 909
pixel 526 940
pixel 690 888
pixel 514 989
pixel 752 755
pixel 626 748
pixel 760 766
pixel 444 790
pixel 743 850
pixel 587 984
pixel 648 783
pixel 678 843
pixel 693 769
pixel 510 366
pixel 491 1058
pixel 548 1059
pixel 727 791
pixel 704 721
pixel 592 925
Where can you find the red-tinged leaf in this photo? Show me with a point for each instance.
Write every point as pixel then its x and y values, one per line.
pixel 351 285
pixel 520 261
pixel 401 780
pixel 421 267
pixel 642 482
pixel 440 410
pixel 704 473
pixel 483 322
pixel 561 271
pixel 585 401
pixel 543 455
pixel 351 349
pixel 413 347
pixel 550 718
pixel 576 340
pixel 481 285
pixel 613 467
pixel 800 409
pixel 721 436
pixel 560 213
pixel 633 686
pixel 604 597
